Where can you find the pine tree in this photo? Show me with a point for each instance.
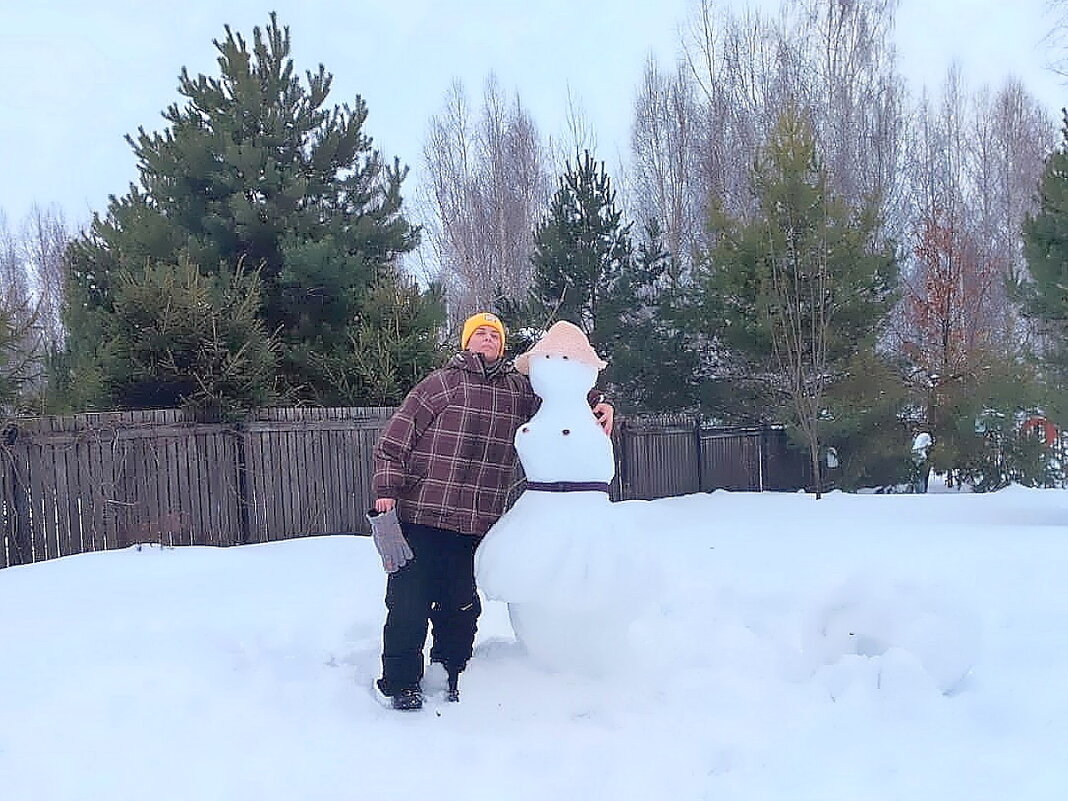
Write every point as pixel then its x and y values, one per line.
pixel 654 359
pixel 582 256
pixel 255 174
pixel 580 250
pixel 796 293
pixel 1046 250
pixel 183 338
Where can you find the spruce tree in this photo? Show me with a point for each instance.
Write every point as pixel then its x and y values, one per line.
pixel 255 174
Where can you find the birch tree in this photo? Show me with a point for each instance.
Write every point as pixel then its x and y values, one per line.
pixel 832 59
pixel 45 237
pixel 488 185
pixel 1013 135
pixel 665 146
pixel 21 345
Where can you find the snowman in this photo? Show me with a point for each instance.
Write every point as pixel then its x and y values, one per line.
pixel 564 557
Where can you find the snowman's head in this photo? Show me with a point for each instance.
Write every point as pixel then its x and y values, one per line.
pixel 560 376
pixel 565 341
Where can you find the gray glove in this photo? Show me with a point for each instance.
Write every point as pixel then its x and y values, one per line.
pixel 390 542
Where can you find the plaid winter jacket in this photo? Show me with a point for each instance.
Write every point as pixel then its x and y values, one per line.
pixel 447 455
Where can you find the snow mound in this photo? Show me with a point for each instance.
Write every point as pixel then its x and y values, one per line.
pixel 892 623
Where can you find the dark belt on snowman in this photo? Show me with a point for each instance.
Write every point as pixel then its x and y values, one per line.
pixel 568 486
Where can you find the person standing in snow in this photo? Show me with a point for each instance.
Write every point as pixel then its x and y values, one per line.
pixel 443 468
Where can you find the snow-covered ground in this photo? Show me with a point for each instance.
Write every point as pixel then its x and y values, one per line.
pixel 857 648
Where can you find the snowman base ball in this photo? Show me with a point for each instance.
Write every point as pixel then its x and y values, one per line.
pixel 593 642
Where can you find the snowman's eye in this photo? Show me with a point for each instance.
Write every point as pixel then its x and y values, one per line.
pixel 565 358
pixel 567 431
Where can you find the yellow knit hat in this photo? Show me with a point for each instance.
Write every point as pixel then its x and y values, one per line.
pixel 476 321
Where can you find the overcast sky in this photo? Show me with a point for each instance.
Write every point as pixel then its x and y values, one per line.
pixel 76 76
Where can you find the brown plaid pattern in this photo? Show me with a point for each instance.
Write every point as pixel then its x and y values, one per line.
pixel 447 455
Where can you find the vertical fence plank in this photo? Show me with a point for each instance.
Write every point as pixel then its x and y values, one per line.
pixel 258 511
pixel 23 551
pixel 9 522
pixel 231 485
pixel 71 493
pixel 312 495
pixel 326 458
pixel 290 487
pixel 88 493
pixel 272 451
pixel 181 495
pixel 207 452
pixel 167 484
pixel 100 454
pixel 152 524
pixel 197 500
pixel 7 506
pixel 321 462
pixel 33 472
pixel 56 477
pixel 353 487
pixel 309 495
pixel 124 464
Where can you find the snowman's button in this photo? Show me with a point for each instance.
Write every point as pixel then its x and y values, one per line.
pixel 525 429
pixel 567 431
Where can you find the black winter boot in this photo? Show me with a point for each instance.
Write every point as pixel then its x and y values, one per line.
pixel 408 700
pixel 405 700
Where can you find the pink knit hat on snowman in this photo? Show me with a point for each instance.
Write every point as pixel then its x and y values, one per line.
pixel 563 339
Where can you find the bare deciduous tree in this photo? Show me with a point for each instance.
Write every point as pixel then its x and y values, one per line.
pixel 44 240
pixel 976 161
pixel 1013 135
pixel 21 346
pixel 665 143
pixel 831 59
pixel 487 186
pixel 1057 38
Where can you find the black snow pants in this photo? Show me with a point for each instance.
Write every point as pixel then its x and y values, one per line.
pixel 436 587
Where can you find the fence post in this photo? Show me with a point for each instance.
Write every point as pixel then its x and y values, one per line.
pixel 17 517
pixel 762 457
pixel 244 524
pixel 621 461
pixel 698 454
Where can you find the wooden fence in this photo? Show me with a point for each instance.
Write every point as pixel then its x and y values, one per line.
pixel 101 481
pixel 657 457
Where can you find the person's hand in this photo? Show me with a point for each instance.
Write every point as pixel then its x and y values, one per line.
pixel 389 539
pixel 385 504
pixel 605 413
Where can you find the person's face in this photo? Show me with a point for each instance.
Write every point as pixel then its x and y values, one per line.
pixel 487 341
